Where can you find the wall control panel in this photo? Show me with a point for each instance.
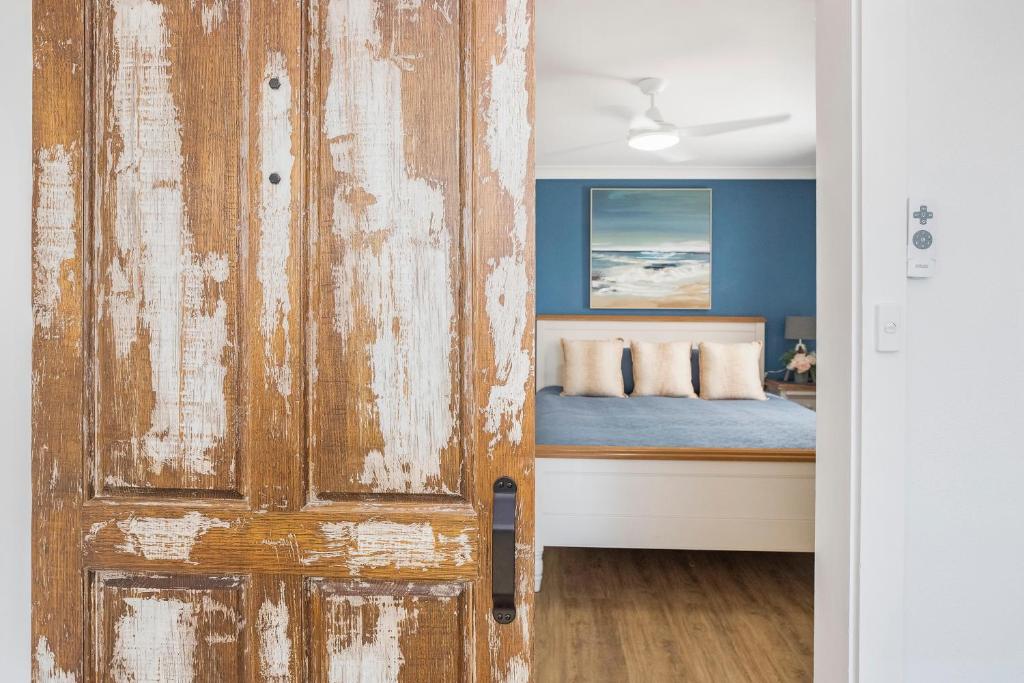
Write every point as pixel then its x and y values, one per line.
pixel 920 240
pixel 888 328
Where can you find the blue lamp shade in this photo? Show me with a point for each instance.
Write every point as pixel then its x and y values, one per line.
pixel 800 327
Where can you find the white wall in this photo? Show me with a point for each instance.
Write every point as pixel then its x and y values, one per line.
pixel 16 334
pixel 935 459
pixel 964 588
pixel 861 64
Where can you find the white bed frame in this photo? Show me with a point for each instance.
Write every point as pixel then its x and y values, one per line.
pixel 683 498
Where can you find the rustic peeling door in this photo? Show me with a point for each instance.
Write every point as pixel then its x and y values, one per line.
pixel 283 313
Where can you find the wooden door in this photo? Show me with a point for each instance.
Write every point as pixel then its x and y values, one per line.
pixel 283 338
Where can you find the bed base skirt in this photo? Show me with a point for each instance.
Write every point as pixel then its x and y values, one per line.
pixel 725 504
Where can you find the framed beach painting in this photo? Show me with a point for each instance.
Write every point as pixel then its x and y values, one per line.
pixel 650 248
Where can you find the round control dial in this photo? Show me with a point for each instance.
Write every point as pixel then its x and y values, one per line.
pixel 922 239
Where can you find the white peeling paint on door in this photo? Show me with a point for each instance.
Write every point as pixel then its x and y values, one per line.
pixel 275 645
pixel 55 212
pixel 404 279
pixel 275 220
pixel 163 538
pixel 46 669
pixel 507 287
pixel 221 621
pixel 213 12
pixel 156 279
pixel 361 650
pixel 366 545
pixel 155 640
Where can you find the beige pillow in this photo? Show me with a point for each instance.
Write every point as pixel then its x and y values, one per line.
pixel 662 369
pixel 731 371
pixel 592 368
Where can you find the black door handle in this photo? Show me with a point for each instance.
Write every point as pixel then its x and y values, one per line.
pixel 503 551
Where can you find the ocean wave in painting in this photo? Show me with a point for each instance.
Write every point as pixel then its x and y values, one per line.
pixel 650 279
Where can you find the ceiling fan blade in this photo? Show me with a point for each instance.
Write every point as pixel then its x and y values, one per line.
pixel 731 126
pixel 617 112
pixel 581 148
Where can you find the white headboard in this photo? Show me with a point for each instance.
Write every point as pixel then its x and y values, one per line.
pixel 551 329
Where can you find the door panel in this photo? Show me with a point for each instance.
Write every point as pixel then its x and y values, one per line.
pixel 386 259
pixel 168 197
pixel 167 628
pixel 282 266
pixel 410 632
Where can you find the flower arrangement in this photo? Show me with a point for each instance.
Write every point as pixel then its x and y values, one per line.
pixel 802 363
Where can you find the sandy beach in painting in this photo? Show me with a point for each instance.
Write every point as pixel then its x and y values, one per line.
pixel 650 279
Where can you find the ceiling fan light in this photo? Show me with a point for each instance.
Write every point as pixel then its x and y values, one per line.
pixel 653 140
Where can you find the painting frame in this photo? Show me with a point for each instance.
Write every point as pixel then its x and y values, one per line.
pixel 704 305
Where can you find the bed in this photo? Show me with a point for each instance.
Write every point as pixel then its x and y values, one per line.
pixel 655 472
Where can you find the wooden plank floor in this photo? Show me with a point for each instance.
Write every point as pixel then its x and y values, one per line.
pixel 654 616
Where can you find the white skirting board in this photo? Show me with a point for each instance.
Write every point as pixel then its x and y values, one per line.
pixel 674 504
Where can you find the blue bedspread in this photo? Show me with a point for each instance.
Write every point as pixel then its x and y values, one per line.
pixel 671 422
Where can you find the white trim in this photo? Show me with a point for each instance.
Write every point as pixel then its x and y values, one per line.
pixel 882 434
pixel 545 171
pixel 838 343
pixel 860 483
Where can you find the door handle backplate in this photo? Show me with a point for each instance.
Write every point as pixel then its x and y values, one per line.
pixel 503 551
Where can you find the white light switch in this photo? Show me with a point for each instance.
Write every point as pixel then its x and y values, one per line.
pixel 888 327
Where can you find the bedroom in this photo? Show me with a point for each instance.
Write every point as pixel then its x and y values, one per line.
pixel 673 485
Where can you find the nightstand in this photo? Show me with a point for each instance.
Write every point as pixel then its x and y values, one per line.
pixel 804 394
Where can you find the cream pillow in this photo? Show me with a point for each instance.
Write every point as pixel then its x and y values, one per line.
pixel 731 371
pixel 662 369
pixel 592 368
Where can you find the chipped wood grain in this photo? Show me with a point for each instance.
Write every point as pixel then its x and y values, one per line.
pixel 161 538
pixel 155 641
pixel 212 13
pixel 166 275
pixel 503 198
pixel 150 628
pixel 374 544
pixel 274 272
pixel 45 665
pixel 381 634
pixel 359 651
pixel 390 191
pixel 276 158
pixel 56 210
pixel 274 275
pixel 275 642
pixel 276 628
pixel 414 542
pixel 58 135
pixel 508 139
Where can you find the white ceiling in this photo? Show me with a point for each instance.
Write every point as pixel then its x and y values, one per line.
pixel 724 60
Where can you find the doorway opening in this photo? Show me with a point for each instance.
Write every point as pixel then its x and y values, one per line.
pixel 675 356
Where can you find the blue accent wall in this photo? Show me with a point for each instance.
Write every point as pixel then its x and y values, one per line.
pixel 763 253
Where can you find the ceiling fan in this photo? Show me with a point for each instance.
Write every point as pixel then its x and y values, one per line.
pixel 650 132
